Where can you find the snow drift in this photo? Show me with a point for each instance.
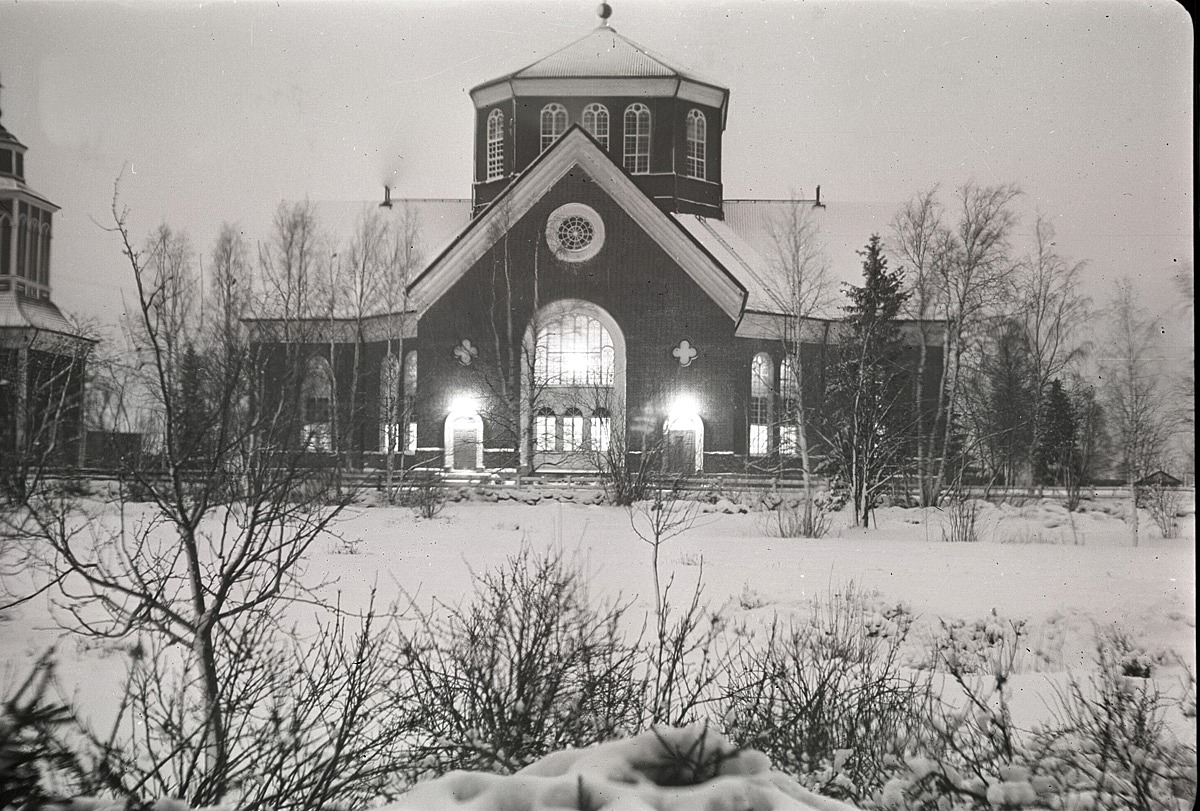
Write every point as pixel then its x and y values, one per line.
pixel 690 769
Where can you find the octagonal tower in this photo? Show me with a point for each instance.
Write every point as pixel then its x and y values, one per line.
pixel 661 123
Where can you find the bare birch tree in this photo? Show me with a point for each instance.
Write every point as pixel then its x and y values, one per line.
pixel 1134 403
pixel 801 292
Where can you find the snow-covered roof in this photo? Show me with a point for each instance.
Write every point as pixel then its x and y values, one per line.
pixel 20 312
pixel 602 53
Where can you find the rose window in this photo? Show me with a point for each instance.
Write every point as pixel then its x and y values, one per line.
pixel 575 233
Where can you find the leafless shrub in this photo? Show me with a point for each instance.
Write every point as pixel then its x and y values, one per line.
pixel 426 494
pixel 529 666
pixel 809 518
pixel 962 519
pixel 1163 503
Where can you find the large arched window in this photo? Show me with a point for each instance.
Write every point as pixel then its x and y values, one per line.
pixel 697 144
pixel 573 350
pixel 789 397
pixel 595 121
pixel 762 390
pixel 316 401
pixel 554 124
pixel 495 145
pixel 637 139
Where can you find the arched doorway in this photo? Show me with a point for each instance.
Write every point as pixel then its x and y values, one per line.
pixel 573 374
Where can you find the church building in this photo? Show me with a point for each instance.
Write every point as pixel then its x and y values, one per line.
pixel 42 357
pixel 597 294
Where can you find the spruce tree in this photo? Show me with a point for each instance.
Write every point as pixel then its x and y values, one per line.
pixel 1056 456
pixel 865 425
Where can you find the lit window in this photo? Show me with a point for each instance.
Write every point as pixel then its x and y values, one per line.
pixel 544 425
pixel 574 350
pixel 601 430
pixel 762 380
pixel 789 392
pixel 697 134
pixel 572 430
pixel 637 139
pixel 390 405
pixel 789 440
pixel 595 121
pixel 554 124
pixel 495 145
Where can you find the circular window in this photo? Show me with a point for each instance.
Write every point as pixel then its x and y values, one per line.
pixel 574 232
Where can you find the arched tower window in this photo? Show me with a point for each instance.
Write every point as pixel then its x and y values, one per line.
pixel 697 138
pixel 6 235
pixel 573 350
pixel 762 390
pixel 554 124
pixel 495 145
pixel 789 396
pixel 637 139
pixel 595 121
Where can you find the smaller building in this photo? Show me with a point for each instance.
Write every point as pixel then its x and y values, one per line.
pixel 42 357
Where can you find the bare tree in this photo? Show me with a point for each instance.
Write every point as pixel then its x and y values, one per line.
pixel 231 514
pixel 1134 403
pixel 963 273
pixel 801 292
pixel 402 260
pixel 1050 310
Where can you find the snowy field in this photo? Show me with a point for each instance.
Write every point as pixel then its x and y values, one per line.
pixel 1065 575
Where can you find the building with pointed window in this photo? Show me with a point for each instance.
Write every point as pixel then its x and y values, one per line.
pixel 597 292
pixel 42 357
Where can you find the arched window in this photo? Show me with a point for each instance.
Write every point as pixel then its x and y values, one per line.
pixel 637 139
pixel 601 430
pixel 44 271
pixel 6 229
pixel 595 121
pixel 572 430
pixel 762 390
pixel 316 399
pixel 573 350
pixel 789 395
pixel 390 412
pixel 697 137
pixel 22 245
pixel 544 429
pixel 495 145
pixel 554 124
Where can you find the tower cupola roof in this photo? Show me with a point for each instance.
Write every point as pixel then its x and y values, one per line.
pixel 603 60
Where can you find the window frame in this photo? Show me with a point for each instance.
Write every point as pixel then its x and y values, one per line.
pixel 554 114
pixel 697 145
pixel 636 153
pixel 494 154
pixel 599 113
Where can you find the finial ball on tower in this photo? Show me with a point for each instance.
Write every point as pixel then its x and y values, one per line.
pixel 605 11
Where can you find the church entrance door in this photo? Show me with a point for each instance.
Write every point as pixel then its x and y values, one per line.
pixel 681 452
pixel 465 444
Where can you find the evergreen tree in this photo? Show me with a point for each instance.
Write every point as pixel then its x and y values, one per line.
pixel 1056 454
pixel 865 425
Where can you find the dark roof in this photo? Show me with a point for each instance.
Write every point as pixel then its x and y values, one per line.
pixel 1160 478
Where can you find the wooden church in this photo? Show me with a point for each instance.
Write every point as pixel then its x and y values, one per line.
pixel 596 295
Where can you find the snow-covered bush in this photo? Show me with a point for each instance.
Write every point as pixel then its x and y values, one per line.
pixel 827 698
pixel 661 769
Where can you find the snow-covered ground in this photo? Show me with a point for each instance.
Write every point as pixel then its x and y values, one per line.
pixel 1065 574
